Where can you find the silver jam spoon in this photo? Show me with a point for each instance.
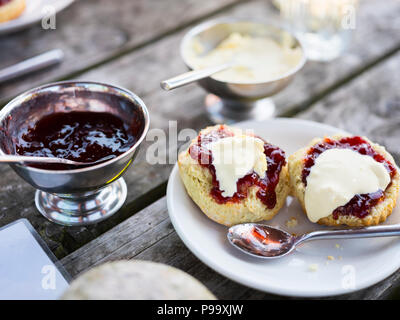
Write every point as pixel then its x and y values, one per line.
pixel 267 242
pixel 9 159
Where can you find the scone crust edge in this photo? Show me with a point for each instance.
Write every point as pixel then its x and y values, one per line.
pixel 378 214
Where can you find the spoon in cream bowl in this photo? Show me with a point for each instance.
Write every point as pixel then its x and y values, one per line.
pixel 263 241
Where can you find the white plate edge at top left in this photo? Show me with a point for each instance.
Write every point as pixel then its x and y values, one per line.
pixel 28 18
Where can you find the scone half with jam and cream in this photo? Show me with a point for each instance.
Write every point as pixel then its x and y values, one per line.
pixel 11 9
pixel 234 176
pixel 344 180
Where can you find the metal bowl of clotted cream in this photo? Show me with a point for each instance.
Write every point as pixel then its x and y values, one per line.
pixel 265 59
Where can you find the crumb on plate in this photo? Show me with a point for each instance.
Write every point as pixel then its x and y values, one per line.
pixel 291 223
pixel 313 267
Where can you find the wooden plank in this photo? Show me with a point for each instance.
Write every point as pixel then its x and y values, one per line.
pixel 98 42
pixel 369 105
pixel 93 31
pixel 141 72
pixel 375 39
pixel 128 237
pixel 122 239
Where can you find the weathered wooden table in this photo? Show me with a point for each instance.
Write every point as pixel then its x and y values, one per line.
pixel 134 44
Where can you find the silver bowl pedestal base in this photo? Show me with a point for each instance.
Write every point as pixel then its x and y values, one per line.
pixel 82 209
pixel 231 111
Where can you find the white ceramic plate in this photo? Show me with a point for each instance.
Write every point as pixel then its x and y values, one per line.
pixel 34 12
pixel 357 264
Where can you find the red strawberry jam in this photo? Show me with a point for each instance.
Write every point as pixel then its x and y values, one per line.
pixel 360 204
pixel 275 161
pixel 78 136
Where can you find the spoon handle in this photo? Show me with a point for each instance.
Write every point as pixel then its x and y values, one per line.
pixel 192 76
pixel 33 64
pixel 368 232
pixel 21 159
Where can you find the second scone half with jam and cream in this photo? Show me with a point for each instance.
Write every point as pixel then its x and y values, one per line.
pixel 234 176
pixel 344 180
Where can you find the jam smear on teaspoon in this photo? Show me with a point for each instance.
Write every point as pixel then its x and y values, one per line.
pixel 275 161
pixel 78 136
pixel 360 204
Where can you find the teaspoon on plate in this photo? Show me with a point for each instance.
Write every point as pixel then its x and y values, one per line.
pixel 262 241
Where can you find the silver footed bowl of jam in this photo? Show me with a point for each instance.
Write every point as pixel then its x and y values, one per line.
pixel 91 123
